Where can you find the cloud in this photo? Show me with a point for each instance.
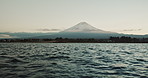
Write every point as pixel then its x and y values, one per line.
pixel 48 29
pixel 5 36
pixel 132 30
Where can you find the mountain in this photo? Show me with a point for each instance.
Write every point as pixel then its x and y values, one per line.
pixel 84 27
pixel 81 30
pixel 4 35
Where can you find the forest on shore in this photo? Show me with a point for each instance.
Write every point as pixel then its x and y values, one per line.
pixel 122 39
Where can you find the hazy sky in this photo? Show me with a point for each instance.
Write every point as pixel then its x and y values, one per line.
pixel 124 16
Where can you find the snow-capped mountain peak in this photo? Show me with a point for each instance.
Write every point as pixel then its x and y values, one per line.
pixel 85 28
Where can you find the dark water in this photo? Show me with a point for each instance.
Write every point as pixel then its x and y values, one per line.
pixel 73 60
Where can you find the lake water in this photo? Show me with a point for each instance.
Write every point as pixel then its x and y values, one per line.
pixel 73 60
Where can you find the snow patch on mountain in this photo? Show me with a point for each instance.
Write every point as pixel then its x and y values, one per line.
pixel 85 28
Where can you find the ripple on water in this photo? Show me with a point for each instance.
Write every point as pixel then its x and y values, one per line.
pixel 73 60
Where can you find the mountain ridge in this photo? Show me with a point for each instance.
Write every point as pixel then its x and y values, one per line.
pixel 81 30
pixel 84 27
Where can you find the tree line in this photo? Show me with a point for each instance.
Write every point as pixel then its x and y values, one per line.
pixel 122 39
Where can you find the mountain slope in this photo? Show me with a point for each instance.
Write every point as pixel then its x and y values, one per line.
pixel 84 27
pixel 84 30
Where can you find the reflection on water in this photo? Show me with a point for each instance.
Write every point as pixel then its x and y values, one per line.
pixel 77 60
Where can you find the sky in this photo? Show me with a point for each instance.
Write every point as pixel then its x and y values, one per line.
pixel 122 16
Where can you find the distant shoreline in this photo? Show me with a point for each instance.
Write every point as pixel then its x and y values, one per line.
pixel 122 39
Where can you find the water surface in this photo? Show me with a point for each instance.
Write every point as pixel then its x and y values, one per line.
pixel 73 60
